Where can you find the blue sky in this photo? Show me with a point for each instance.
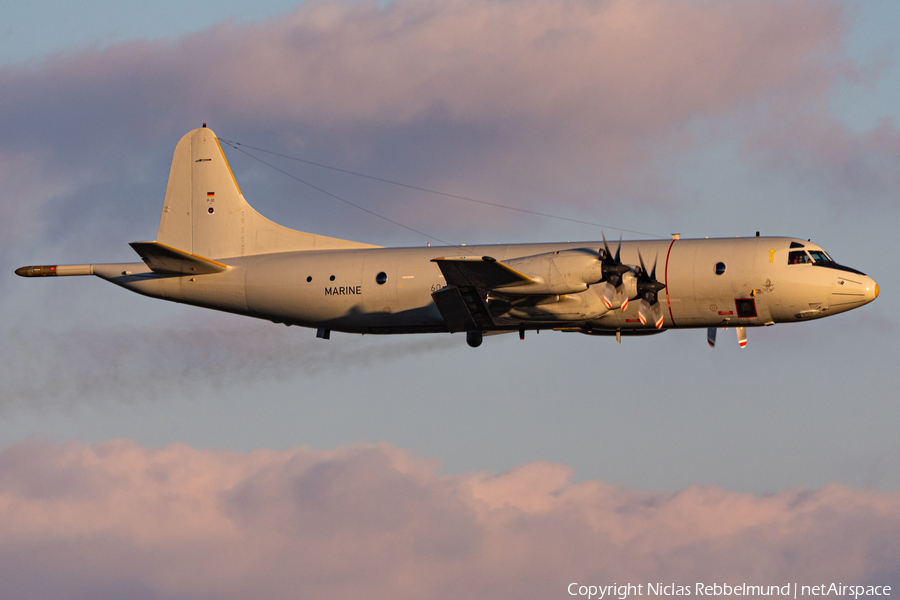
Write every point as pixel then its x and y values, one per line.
pixel 36 29
pixel 718 188
pixel 703 118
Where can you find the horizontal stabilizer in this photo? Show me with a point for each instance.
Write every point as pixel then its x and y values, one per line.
pixel 481 272
pixel 166 259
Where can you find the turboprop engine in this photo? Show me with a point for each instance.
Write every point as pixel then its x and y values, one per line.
pixel 559 287
pixel 583 306
pixel 553 273
pixel 553 286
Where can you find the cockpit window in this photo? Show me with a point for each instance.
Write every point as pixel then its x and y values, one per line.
pixel 798 257
pixel 797 245
pixel 819 256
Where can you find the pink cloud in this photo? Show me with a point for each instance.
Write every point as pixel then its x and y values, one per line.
pixel 29 184
pixel 118 519
pixel 574 100
pixel 564 93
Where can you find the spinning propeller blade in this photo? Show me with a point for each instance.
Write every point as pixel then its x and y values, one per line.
pixel 613 270
pixel 648 289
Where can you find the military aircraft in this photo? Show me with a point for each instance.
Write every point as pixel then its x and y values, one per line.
pixel 214 250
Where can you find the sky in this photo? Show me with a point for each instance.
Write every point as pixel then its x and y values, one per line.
pixel 155 450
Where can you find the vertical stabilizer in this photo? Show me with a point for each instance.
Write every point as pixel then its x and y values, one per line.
pixel 204 212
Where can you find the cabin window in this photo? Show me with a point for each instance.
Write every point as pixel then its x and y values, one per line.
pixel 720 268
pixel 308 279
pixel 798 257
pixel 331 278
pixel 381 278
pixel 746 307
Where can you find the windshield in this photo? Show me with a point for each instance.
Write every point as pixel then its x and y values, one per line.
pixel 817 258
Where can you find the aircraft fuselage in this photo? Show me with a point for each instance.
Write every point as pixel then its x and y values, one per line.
pixel 213 250
pixel 340 289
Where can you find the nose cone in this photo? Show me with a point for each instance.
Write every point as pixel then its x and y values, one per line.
pixel 871 289
pixel 852 291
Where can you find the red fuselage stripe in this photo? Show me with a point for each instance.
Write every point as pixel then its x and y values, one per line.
pixel 668 302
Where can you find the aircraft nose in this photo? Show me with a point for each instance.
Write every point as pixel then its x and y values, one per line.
pixel 871 289
pixel 852 291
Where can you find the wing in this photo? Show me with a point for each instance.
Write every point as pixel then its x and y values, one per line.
pixel 480 271
pixel 464 302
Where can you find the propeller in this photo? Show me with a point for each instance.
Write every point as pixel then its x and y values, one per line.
pixel 613 270
pixel 711 336
pixel 648 289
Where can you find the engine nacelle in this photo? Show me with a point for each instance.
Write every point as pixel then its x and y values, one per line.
pixel 629 280
pixel 587 306
pixel 561 272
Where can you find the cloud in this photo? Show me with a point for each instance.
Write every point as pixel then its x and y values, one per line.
pixel 851 170
pixel 121 520
pixel 585 102
pixel 29 184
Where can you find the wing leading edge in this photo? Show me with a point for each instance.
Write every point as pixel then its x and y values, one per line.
pixel 480 271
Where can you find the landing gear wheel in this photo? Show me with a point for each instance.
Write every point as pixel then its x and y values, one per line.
pixel 474 338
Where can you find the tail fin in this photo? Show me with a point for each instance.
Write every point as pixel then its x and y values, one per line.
pixel 204 212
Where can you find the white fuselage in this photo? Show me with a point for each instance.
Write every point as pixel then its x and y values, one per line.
pixel 213 250
pixel 340 289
